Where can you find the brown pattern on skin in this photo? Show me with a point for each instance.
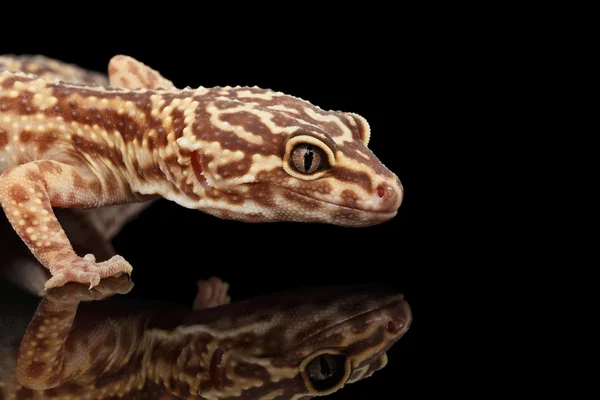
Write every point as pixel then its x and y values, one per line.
pixel 112 188
pixel 362 130
pixel 262 194
pixel 26 107
pixel 151 172
pixel 95 351
pixel 36 368
pixel 45 141
pixel 35 176
pixel 248 370
pixel 248 121
pixel 350 150
pixel 359 327
pixel 172 163
pixel 96 150
pixel 284 119
pixel 18 193
pixel 133 68
pixel 93 186
pixel 8 104
pixel 9 82
pixel 273 342
pixel 350 197
pixel 71 110
pixel 48 167
pixel 226 104
pixel 360 178
pixel 151 78
pixel 245 341
pixel 3 138
pixel 235 168
pixel 178 123
pixel 25 136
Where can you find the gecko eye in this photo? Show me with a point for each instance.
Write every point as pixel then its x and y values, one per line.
pixel 308 158
pixel 326 371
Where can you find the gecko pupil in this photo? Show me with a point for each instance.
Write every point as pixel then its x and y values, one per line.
pixel 326 371
pixel 308 157
pixel 325 368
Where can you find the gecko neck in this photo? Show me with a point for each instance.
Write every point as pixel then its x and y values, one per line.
pixel 177 364
pixel 139 352
pixel 161 166
pixel 153 354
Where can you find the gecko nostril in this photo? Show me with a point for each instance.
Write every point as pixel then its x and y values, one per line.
pixel 385 191
pixel 393 327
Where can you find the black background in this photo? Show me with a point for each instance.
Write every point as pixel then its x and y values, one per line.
pixel 371 71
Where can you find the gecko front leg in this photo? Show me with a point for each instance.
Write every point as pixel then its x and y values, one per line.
pixel 27 194
pixel 45 359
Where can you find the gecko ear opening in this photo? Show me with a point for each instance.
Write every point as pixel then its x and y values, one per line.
pixel 197 167
pixel 363 127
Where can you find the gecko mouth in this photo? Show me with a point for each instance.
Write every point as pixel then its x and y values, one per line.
pixel 380 214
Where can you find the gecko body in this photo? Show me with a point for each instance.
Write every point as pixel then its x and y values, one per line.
pixel 240 153
pixel 286 346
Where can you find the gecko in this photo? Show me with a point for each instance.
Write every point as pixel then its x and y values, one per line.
pixel 243 153
pixel 293 345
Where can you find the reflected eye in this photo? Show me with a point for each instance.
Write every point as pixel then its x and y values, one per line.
pixel 307 158
pixel 326 371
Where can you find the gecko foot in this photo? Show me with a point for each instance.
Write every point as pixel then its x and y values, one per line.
pixel 87 271
pixel 73 293
pixel 211 293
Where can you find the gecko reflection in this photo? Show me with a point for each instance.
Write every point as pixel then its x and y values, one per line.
pixel 294 345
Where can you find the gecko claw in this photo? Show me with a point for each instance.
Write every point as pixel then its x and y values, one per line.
pixel 87 271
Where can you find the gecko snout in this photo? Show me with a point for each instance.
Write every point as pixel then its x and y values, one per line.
pixel 390 196
pixel 399 318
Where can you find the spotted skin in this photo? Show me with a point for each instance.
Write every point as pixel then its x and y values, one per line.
pixel 261 348
pixel 240 153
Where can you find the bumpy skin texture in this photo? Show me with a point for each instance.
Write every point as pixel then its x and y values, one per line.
pixel 241 153
pixel 272 347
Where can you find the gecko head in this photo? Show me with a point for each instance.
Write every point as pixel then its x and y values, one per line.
pixel 306 344
pixel 265 156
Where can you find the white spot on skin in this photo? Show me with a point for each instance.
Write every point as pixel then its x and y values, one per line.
pixel 360 153
pixel 248 94
pixel 280 107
